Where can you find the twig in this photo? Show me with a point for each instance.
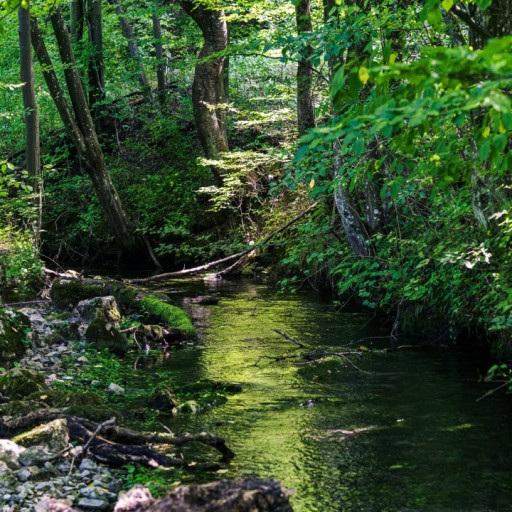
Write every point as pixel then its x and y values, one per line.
pixel 107 423
pixel 167 428
pixel 289 338
pixel 492 391
pixel 27 302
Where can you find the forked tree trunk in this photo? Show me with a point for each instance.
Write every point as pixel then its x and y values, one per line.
pixel 208 90
pixel 33 147
pixel 80 127
pixel 305 108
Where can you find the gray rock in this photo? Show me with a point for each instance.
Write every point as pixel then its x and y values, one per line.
pixel 88 465
pixel 35 456
pixel 114 389
pixel 24 474
pixel 10 453
pixel 92 504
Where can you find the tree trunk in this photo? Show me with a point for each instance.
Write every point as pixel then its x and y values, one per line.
pixel 133 48
pixel 77 20
pixel 208 89
pixel 496 21
pixel 354 228
pixel 33 147
pixel 159 53
pixel 80 127
pixel 345 203
pixel 305 108
pixel 96 67
pixel 488 197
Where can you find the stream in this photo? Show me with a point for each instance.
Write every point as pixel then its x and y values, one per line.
pixel 383 432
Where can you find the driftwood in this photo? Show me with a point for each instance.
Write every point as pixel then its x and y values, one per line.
pixel 117 446
pixel 227 259
pixel 240 495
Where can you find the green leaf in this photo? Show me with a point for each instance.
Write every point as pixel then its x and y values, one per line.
pixel 485 148
pixel 447 4
pixel 506 119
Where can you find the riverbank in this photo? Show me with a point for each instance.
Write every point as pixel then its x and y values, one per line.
pixel 69 386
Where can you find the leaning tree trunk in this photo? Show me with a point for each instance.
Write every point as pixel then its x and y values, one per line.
pixel 208 90
pixel 33 147
pixel 305 108
pixel 80 127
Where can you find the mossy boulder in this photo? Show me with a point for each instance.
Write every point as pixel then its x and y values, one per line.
pixel 190 406
pixel 18 383
pixel 175 318
pixel 67 293
pixel 12 334
pixel 53 435
pixel 163 397
pixel 102 333
pixel 104 307
pixel 19 407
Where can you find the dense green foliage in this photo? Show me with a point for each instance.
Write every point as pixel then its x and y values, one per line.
pixel 413 124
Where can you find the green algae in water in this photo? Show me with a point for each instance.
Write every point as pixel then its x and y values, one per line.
pixel 419 454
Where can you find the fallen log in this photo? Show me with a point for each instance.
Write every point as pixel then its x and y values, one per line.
pixel 117 446
pixel 239 256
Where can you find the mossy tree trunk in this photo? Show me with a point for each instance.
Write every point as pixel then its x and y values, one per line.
pixel 209 88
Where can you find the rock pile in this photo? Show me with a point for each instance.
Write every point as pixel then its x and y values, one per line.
pixel 28 475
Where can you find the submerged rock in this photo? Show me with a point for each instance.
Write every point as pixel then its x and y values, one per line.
pixel 163 397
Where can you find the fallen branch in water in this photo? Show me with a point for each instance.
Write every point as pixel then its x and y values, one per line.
pixel 289 338
pixel 216 263
pixel 492 391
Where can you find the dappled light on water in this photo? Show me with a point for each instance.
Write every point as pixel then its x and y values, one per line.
pixel 397 431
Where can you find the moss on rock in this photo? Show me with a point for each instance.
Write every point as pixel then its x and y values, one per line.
pixel 66 294
pixel 103 334
pixel 163 397
pixel 168 314
pixel 53 435
pixel 11 338
pixel 21 382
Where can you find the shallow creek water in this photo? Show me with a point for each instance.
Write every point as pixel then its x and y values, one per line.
pixel 421 440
